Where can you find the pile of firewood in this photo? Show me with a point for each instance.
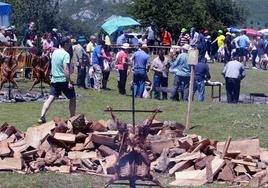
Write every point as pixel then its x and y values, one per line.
pixel 92 147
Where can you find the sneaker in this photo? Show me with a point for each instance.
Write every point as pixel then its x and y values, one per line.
pixel 42 120
pixel 255 68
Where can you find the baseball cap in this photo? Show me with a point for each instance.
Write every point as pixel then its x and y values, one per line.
pixel 183 30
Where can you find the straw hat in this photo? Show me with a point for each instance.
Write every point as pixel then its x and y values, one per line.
pixel 125 46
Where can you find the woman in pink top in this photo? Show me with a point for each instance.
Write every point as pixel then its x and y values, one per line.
pixel 47 44
pixel 122 65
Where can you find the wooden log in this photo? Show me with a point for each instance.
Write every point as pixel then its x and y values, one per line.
pixel 250 147
pixel 187 157
pixel 4 149
pixel 236 161
pixel 227 173
pixel 65 137
pixel 78 147
pixel 159 145
pixel 103 140
pixel 180 167
pixel 106 151
pixel 10 164
pixel 100 125
pixel 226 147
pixel 65 169
pixel 82 155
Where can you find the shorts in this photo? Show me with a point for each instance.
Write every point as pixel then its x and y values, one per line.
pixel 57 88
pixel 243 52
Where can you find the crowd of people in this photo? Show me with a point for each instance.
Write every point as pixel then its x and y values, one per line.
pixel 95 59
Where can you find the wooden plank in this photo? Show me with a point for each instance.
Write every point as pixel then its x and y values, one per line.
pixel 100 125
pixel 106 133
pixel 227 173
pixel 180 166
pixel 246 147
pixel 10 164
pixel 216 165
pixel 65 137
pixel 264 156
pixel 106 151
pixel 187 156
pixel 82 155
pixel 65 169
pixel 236 161
pixel 78 147
pixel 226 147
pixel 191 174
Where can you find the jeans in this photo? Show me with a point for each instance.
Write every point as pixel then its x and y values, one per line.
pixel 139 78
pixel 200 87
pixel 105 79
pixel 254 56
pixel 81 76
pixel 232 89
pixel 122 81
pixel 160 81
pixel 183 83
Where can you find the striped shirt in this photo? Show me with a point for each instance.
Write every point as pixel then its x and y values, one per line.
pixel 184 39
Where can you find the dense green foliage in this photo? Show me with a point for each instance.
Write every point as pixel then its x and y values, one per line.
pixel 43 12
pixel 175 14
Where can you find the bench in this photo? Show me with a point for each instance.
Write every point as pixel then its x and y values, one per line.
pixel 253 95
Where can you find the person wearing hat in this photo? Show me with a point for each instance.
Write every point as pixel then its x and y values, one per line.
pixel 181 69
pixel 140 60
pixel 184 37
pixel 220 42
pixel 61 79
pixel 3 39
pixel 228 47
pixel 122 66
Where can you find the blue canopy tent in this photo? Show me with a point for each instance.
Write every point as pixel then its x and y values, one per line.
pixel 5 12
pixel 114 24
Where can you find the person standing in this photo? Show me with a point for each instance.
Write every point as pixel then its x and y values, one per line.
pixel 201 75
pixel 81 63
pixel 243 44
pixel 61 79
pixel 89 49
pixel 233 73
pixel 97 63
pixel 151 34
pixel 228 47
pixel 122 66
pixel 184 37
pixel 140 59
pixel 160 68
pixel 220 42
pixel 107 64
pixel 181 69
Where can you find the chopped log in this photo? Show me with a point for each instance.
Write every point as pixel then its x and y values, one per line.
pixel 240 169
pixel 180 166
pixel 161 164
pixel 106 151
pixel 103 140
pixel 65 169
pixel 187 156
pixel 201 145
pixel 186 143
pixel 78 147
pixel 110 163
pixel 3 136
pixel 18 146
pixel 201 162
pixel 159 145
pixel 173 152
pixel 236 161
pixel 106 133
pixel 227 173
pixel 4 149
pixel 10 164
pixel 264 156
pixel 65 137
pixel 246 147
pixel 259 180
pixel 80 137
pixel 82 155
pixel 100 125
pixel 77 122
pixel 191 174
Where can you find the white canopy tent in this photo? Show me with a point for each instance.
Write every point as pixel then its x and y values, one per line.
pixel 5 12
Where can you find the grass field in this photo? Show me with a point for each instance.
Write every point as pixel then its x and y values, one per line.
pixel 210 119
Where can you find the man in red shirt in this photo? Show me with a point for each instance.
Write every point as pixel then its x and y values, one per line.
pixel 166 37
pixel 122 66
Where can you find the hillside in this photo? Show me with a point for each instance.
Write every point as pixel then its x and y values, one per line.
pixel 258 13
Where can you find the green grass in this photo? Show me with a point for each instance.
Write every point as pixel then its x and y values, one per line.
pixel 210 119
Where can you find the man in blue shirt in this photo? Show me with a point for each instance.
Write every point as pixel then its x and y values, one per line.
pixel 140 59
pixel 121 39
pixel 243 43
pixel 181 69
pixel 201 74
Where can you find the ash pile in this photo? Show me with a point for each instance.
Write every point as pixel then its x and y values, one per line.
pixel 17 95
pixel 92 147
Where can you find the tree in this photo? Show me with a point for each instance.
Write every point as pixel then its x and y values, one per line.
pixel 43 12
pixel 175 14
